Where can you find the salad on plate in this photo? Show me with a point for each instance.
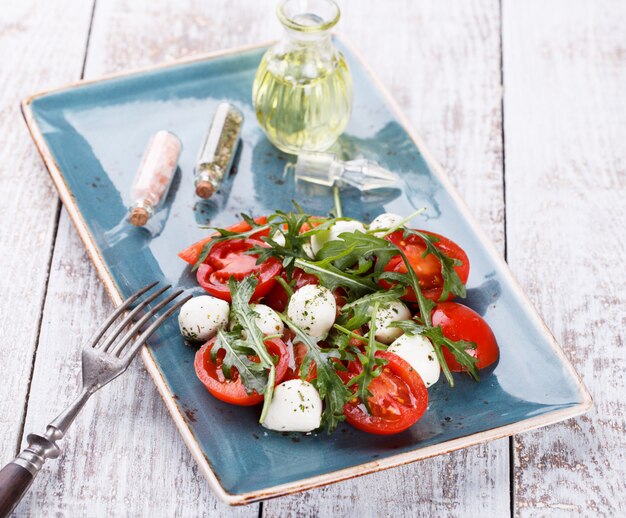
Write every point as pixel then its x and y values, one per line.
pixel 326 319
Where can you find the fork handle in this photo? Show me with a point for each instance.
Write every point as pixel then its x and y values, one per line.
pixel 14 482
pixel 17 476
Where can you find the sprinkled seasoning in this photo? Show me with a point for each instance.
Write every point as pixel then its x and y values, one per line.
pixel 218 150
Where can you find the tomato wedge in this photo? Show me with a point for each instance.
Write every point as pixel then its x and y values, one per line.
pixel 458 322
pixel 229 259
pixel 232 390
pixel 428 268
pixel 399 399
pixel 191 253
pixel 293 372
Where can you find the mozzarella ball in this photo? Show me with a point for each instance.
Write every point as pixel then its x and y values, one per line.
pixel 385 221
pixel 419 353
pixel 332 234
pixel 201 317
pixel 279 238
pixel 267 320
pixel 295 407
pixel 386 314
pixel 306 247
pixel 313 308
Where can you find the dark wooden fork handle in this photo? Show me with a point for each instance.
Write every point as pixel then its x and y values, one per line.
pixel 14 482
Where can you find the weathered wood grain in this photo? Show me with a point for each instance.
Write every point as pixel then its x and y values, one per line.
pixel 565 113
pixel 34 55
pixel 124 455
pixel 441 61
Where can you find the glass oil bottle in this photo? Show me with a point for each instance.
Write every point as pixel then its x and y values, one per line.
pixel 302 91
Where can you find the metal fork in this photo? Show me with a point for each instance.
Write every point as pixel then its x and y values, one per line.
pixel 103 359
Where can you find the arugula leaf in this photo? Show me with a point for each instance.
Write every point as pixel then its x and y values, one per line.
pixel 245 316
pixel 359 310
pixel 328 383
pixel 252 374
pixel 452 283
pixel 360 246
pixel 371 366
pixel 332 277
pixel 457 348
pixel 289 225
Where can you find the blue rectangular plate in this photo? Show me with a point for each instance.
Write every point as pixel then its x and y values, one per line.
pixel 91 136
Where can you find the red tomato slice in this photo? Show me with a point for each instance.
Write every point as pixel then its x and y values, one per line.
pixel 299 352
pixel 458 322
pixel 232 390
pixel 192 253
pixel 399 399
pixel 229 259
pixel 427 269
pixel 277 297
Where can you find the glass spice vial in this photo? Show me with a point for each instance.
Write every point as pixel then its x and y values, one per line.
pixel 154 176
pixel 218 151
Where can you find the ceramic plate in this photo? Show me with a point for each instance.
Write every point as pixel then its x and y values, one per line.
pixel 92 135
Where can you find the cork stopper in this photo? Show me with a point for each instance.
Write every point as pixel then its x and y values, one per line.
pixel 139 216
pixel 205 189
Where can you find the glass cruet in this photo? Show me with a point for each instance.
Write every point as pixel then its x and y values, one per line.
pixel 302 91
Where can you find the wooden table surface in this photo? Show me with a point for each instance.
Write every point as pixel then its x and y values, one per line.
pixel 524 104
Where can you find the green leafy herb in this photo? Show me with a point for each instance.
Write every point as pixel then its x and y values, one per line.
pixel 452 283
pixel 253 374
pixel 332 277
pixel 351 247
pixel 437 338
pixel 328 383
pixel 371 366
pixel 245 316
pixel 360 310
pixel 289 226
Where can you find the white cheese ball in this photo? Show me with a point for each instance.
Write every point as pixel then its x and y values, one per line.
pixel 386 314
pixel 419 353
pixel 306 248
pixel 279 238
pixel 385 221
pixel 295 407
pixel 332 234
pixel 267 320
pixel 313 308
pixel 201 317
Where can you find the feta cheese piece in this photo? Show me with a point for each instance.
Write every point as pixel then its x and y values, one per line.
pixel 387 313
pixel 295 407
pixel 201 317
pixel 313 308
pixel 332 234
pixel 420 354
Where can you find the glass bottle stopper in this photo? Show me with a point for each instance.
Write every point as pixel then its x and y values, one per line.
pixel 326 169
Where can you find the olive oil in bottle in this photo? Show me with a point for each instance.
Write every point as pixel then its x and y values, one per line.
pixel 302 92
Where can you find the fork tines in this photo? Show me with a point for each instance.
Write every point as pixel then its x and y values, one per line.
pixel 119 348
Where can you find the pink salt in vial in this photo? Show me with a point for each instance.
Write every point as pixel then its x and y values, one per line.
pixel 154 176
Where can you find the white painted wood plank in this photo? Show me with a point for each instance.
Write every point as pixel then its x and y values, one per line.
pixel 565 113
pixel 124 455
pixel 35 55
pixel 441 61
